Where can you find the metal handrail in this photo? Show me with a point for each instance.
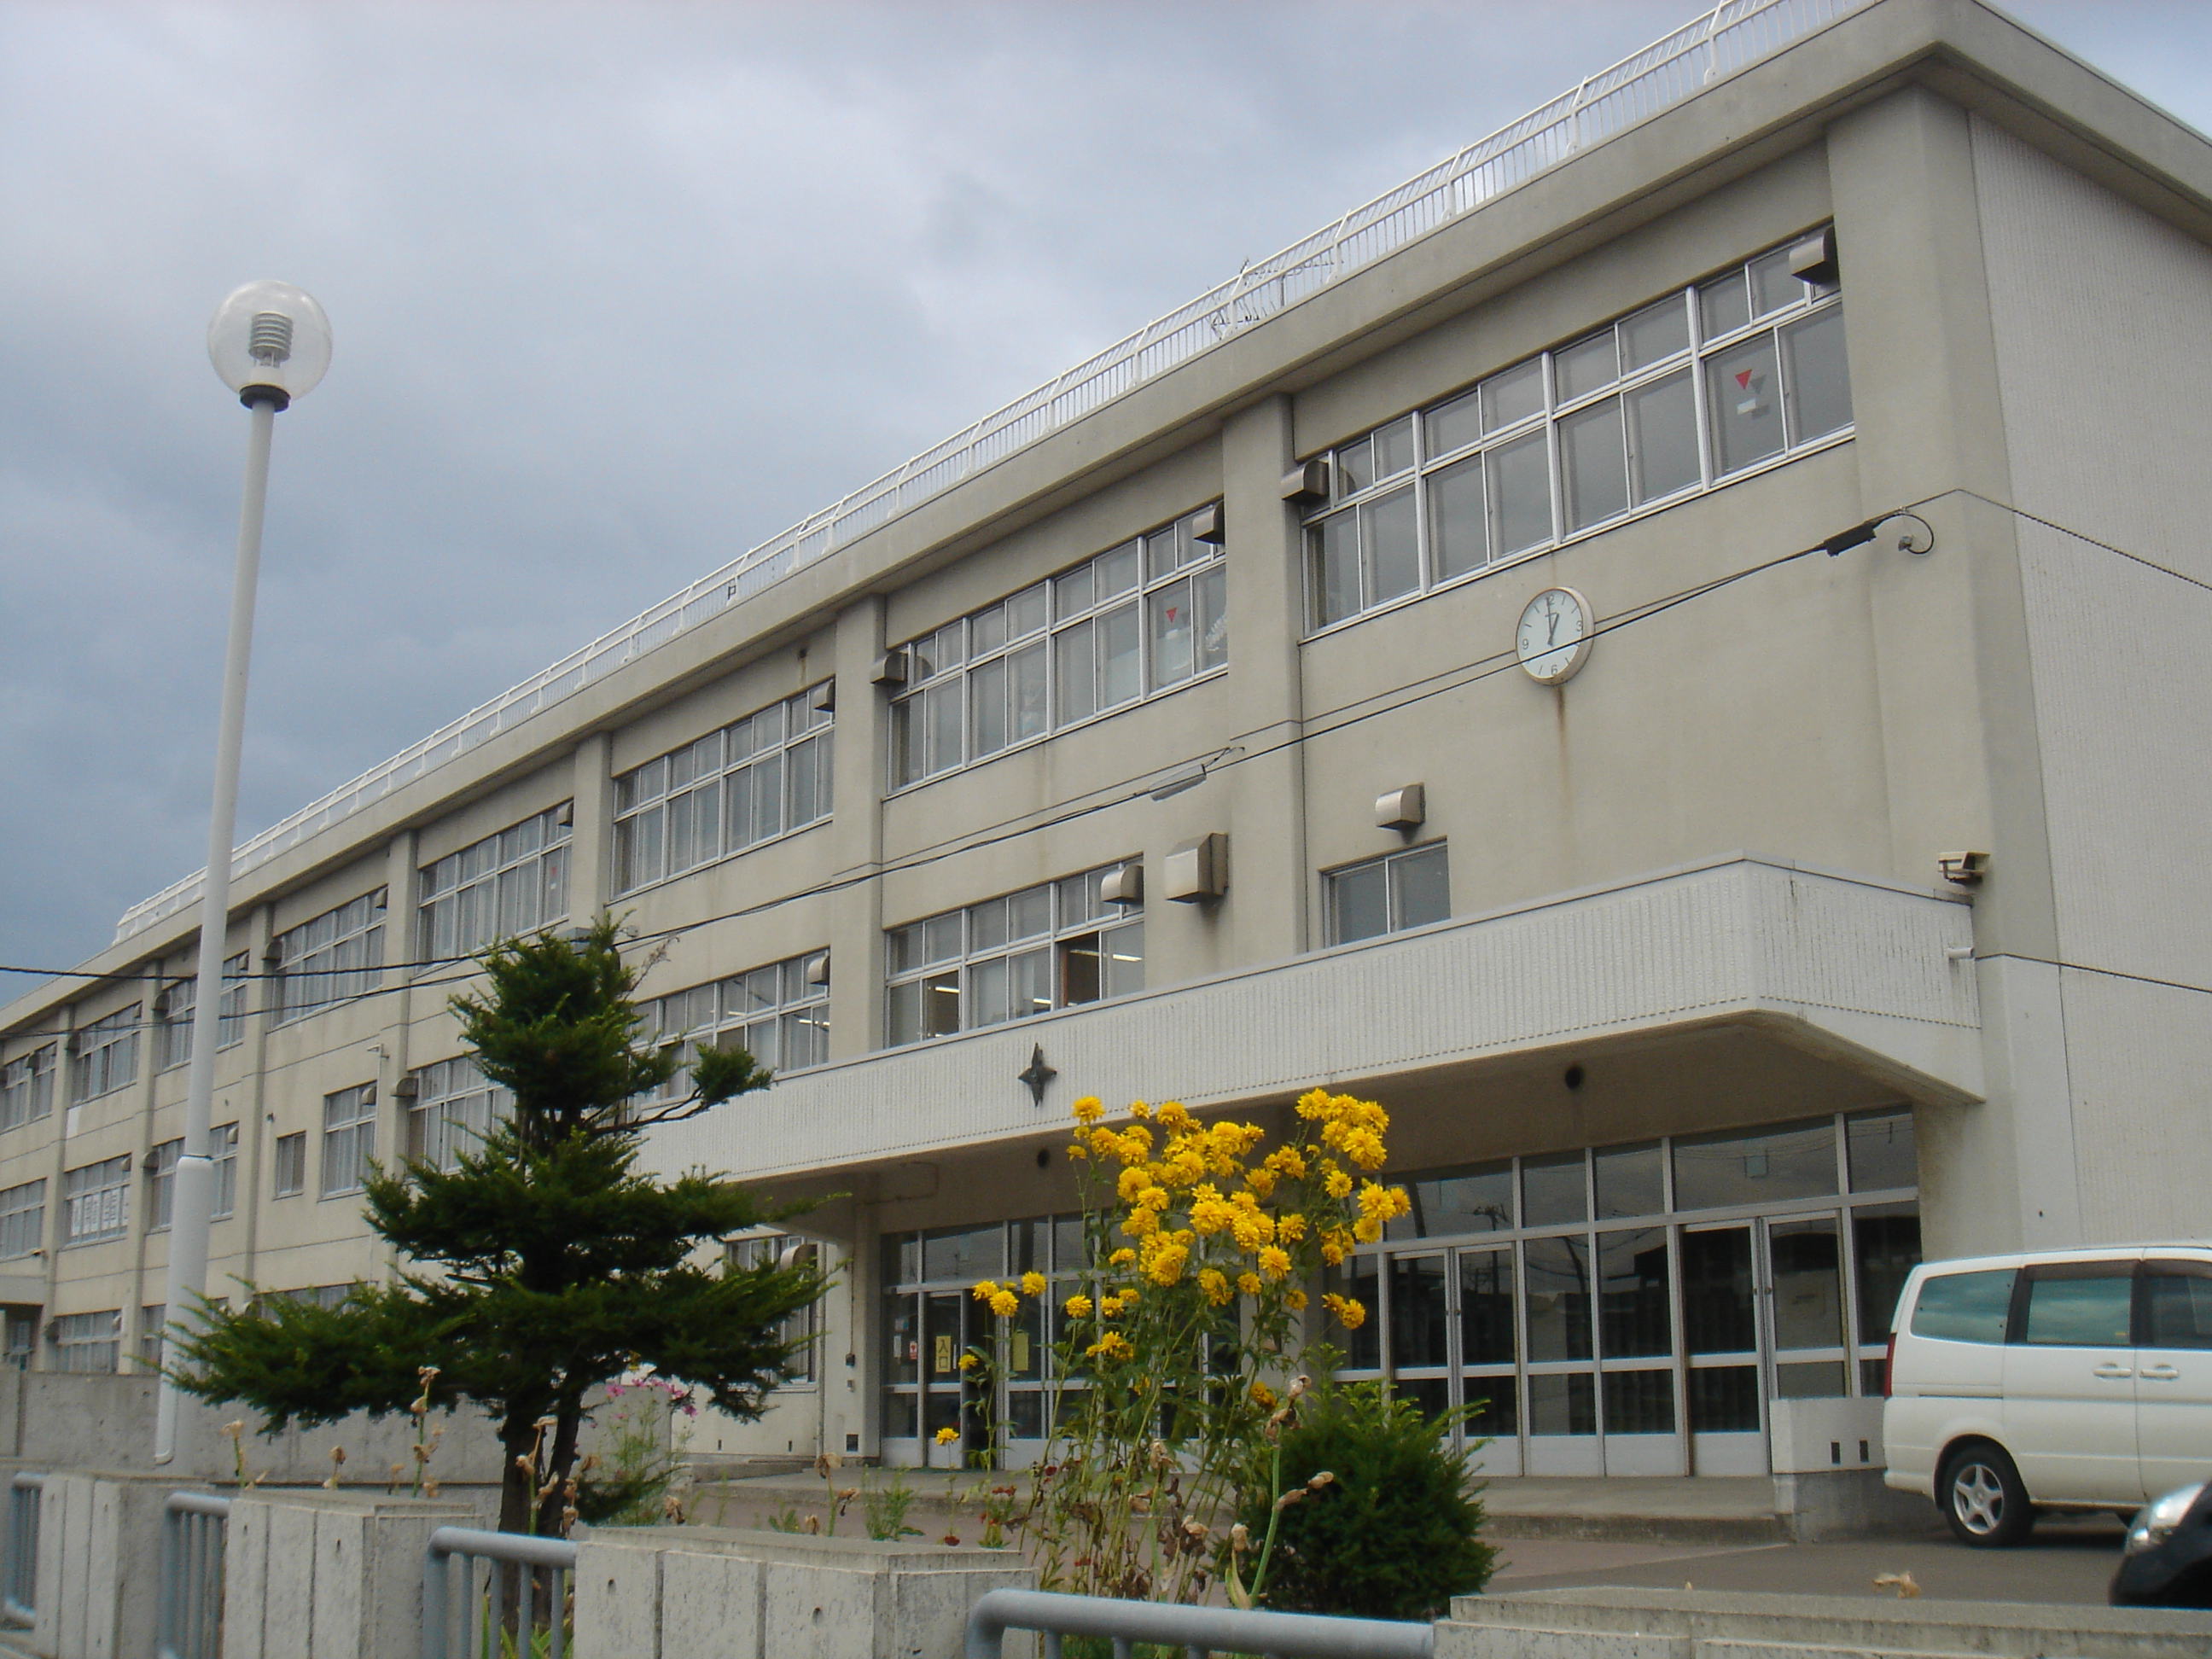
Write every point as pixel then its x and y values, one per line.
pixel 19 1578
pixel 1197 1630
pixel 554 1557
pixel 195 1533
pixel 1730 37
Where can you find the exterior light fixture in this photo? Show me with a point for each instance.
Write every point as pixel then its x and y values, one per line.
pixel 271 344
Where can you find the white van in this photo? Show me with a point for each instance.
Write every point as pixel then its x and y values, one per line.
pixel 2062 1380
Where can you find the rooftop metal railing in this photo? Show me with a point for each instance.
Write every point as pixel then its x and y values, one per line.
pixel 195 1529
pixel 19 1573
pixel 1731 37
pixel 513 1596
pixel 1197 1630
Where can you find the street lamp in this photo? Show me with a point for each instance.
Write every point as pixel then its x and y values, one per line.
pixel 271 344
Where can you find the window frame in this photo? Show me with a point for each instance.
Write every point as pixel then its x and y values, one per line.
pixel 81 1332
pixel 27 1198
pixel 222 1157
pixel 27 1087
pixel 289 1149
pixel 313 971
pixel 161 1184
pixel 984 640
pixel 1388 863
pixel 175 1003
pixel 472 877
pixel 1358 486
pixel 87 1190
pixel 451 1098
pixel 711 1015
pixel 106 1055
pixel 349 1140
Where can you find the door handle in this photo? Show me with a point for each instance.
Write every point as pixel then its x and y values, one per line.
pixel 2110 1370
pixel 2160 1373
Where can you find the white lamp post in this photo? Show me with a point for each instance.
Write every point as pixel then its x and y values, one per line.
pixel 271 344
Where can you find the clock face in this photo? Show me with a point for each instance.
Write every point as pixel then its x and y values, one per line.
pixel 1554 637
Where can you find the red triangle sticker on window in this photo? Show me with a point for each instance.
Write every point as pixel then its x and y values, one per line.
pixel 1744 379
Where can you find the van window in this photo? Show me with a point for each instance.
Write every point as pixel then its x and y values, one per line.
pixel 2177 1305
pixel 2079 1310
pixel 1964 1307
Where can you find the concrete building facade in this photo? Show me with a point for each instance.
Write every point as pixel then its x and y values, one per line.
pixel 1459 666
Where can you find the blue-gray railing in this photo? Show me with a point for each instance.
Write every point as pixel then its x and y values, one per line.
pixel 19 1573
pixel 195 1526
pixel 1196 1631
pixel 509 1581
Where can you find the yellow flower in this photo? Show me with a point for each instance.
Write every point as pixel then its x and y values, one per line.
pixel 1263 1396
pixel 1175 1115
pixel 1367 1230
pixel 1215 1283
pixel 1032 1284
pixel 1248 1283
pixel 1088 1110
pixel 985 1290
pixel 1111 1346
pixel 946 1436
pixel 1288 1160
pixel 1078 1307
pixel 1289 1227
pixel 1077 1150
pixel 1006 1305
pixel 1274 1262
pixel 1122 1258
pixel 1140 1109
pixel 1130 1182
pixel 1295 1299
pixel 1139 1222
pixel 1336 1183
pixel 969 1361
pixel 1261 1180
pixel 1166 1263
pixel 1154 1198
pixel 1349 1313
pixel 1210 1215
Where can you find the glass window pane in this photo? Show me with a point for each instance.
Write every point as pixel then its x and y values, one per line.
pixel 1486 1330
pixel 904 1019
pixel 987 694
pixel 1421 887
pixel 941 709
pixel 1562 1403
pixel 940 1004
pixel 1559 1273
pixel 2079 1313
pixel 1551 1192
pixel 1452 426
pixel 1880 1149
pixel 1723 305
pixel 1073 593
pixel 908 761
pixel 987 629
pixel 1635 1315
pixel 1124 952
pixel 1334 553
pixel 1029 912
pixel 1657 331
pixel 1762 1167
pixel 986 992
pixel 1773 286
pixel 1594 465
pixel 1214 617
pixel 1820 378
pixel 1740 394
pixel 1026 691
pixel 1662 437
pixel 1358 907
pixel 1391 540
pixel 1117 571
pixel 1628 1180
pixel 1076 688
pixel 1081 973
pixel 1162 555
pixel 1464 1201
pixel 1394 448
pixel 1458 540
pixel 1168 610
pixel 948 650
pixel 1028 984
pixel 941 937
pixel 1725 1400
pixel 1355 463
pixel 1586 366
pixel 1513 396
pixel 1719 1312
pixel 1886 1241
pixel 1639 1403
pixel 1025 611
pixel 1419 1311
pixel 1120 656
pixel 1807 1257
pixel 963 1255
pixel 1964 1307
pixel 1520 489
pixel 2177 1305
pixel 986 925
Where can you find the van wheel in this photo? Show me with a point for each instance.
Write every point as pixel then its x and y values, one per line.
pixel 1983 1498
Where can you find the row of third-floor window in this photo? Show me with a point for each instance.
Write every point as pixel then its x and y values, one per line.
pixel 1133 622
pixel 1706 384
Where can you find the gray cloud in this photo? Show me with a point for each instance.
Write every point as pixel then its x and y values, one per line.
pixel 619 290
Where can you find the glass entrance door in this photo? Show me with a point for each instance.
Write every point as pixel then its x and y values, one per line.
pixel 1721 1333
pixel 944 1383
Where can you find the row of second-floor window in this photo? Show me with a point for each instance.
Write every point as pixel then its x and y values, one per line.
pixel 96 1197
pixel 501 887
pixel 454 1109
pixel 779 1014
pixel 106 1054
pixel 334 957
pixel 1678 397
pixel 175 1006
pixel 27 1087
pixel 1058 945
pixel 1139 619
pixel 754 779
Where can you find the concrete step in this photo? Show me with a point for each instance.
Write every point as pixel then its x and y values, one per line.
pixel 1619 1623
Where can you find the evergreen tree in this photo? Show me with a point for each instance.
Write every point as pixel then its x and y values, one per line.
pixel 542 1264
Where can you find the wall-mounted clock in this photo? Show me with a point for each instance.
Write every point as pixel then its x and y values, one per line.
pixel 1554 638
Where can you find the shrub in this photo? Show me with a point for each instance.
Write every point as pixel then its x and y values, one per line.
pixel 1395 1535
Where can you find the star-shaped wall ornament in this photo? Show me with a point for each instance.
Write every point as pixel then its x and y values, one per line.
pixel 1037 1075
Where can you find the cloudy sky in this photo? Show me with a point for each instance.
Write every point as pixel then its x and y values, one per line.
pixel 619 290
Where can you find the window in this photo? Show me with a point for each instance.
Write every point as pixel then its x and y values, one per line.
pixel 222 1152
pixel 153 1320
pixel 500 887
pixel 1711 379
pixel 348 1139
pixel 339 954
pixel 1139 619
pixel 2080 1307
pixel 454 1109
pixel 173 1015
pixel 762 777
pixel 1388 895
pixel 161 1184
pixel 1050 946
pixel 1964 1307
pixel 96 1201
pixel 27 1088
pixel 802 1325
pixel 774 1013
pixel 2177 1301
pixel 289 1165
pixel 89 1341
pixel 22 1219
pixel 106 1055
